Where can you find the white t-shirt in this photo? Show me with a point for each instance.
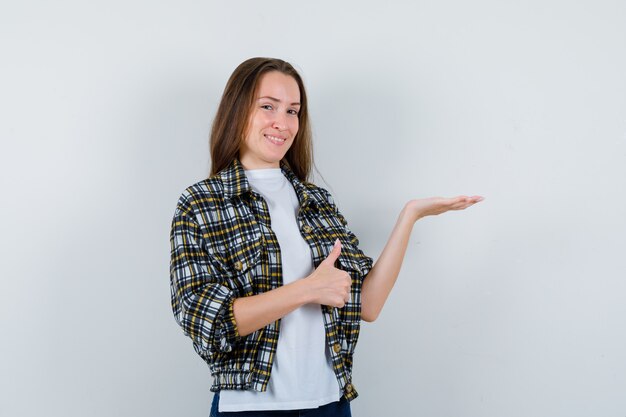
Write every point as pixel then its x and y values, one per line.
pixel 302 374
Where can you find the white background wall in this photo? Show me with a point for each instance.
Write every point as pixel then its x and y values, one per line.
pixel 515 307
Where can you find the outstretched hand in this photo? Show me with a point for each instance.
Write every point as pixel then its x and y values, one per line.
pixel 437 205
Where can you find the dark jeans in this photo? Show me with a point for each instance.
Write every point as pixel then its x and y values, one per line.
pixel 339 408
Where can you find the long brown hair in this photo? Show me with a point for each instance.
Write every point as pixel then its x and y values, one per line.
pixel 231 119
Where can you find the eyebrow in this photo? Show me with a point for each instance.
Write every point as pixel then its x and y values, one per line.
pixel 277 100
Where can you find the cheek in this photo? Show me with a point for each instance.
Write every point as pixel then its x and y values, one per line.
pixel 260 120
pixel 294 125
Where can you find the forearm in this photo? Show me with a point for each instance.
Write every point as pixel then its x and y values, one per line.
pixel 257 311
pixel 382 277
pixel 327 285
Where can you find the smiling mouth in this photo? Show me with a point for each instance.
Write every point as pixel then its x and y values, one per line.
pixel 275 139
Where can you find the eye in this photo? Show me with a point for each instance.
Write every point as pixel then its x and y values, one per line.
pixel 266 105
pixel 294 112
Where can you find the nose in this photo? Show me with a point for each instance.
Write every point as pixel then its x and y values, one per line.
pixel 280 122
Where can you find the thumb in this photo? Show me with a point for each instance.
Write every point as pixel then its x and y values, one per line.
pixel 334 253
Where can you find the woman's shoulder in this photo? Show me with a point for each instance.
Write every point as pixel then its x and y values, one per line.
pixel 201 195
pixel 322 193
pixel 316 193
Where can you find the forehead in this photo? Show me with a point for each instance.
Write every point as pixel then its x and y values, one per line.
pixel 279 85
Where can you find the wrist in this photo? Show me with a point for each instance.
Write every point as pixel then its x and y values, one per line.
pixel 410 214
pixel 303 291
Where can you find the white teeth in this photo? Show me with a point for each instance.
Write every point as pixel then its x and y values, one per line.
pixel 275 139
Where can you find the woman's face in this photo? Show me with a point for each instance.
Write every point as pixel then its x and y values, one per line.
pixel 273 122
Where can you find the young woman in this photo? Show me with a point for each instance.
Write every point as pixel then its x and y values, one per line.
pixel 266 277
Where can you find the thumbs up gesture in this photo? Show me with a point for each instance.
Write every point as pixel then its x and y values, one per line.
pixel 329 285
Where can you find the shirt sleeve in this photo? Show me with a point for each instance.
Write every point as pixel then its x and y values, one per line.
pixel 365 261
pixel 202 305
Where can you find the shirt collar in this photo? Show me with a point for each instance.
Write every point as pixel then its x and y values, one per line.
pixel 236 183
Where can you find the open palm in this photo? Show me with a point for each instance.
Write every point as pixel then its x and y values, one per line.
pixel 436 205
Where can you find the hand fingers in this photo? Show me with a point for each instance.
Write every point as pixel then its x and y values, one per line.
pixel 462 206
pixel 463 202
pixel 475 198
pixel 334 253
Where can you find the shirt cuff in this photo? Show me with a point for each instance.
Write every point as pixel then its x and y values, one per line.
pixel 227 326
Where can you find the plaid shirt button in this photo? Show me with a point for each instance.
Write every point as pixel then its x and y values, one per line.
pixel 306 228
pixel 349 388
pixel 337 347
pixel 238 266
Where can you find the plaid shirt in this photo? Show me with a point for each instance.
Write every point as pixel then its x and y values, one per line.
pixel 222 248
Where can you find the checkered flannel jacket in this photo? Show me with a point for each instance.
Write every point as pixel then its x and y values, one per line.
pixel 222 248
